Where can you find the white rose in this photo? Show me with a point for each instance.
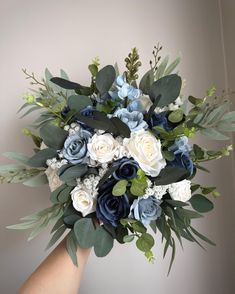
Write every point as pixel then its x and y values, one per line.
pixel 180 191
pixel 102 148
pixel 53 179
pixel 83 201
pixel 146 150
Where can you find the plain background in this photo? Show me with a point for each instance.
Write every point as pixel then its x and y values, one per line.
pixel 68 34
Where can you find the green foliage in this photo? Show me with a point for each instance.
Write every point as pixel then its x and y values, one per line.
pixel 146 82
pixel 39 220
pixel 71 215
pixel 201 204
pixel 85 232
pixel 132 64
pixel 105 78
pixel 145 242
pixel 78 102
pixel 165 90
pixel 119 188
pixel 139 184
pixel 103 242
pixel 61 194
pixel 171 174
pixel 176 116
pixel 39 159
pixel 71 246
pixel 53 136
pixel 69 174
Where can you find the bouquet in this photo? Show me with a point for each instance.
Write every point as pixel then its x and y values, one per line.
pixel 117 157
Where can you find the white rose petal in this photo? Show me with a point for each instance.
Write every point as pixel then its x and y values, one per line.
pixel 53 179
pixel 146 150
pixel 102 148
pixel 180 191
pixel 83 201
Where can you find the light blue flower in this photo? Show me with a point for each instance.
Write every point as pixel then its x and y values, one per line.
pixel 181 146
pixel 136 105
pixel 75 147
pixel 125 89
pixel 146 209
pixel 134 120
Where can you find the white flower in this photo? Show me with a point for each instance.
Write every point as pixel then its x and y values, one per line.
pixel 83 201
pixel 146 150
pixel 53 179
pixel 43 146
pixel 180 191
pixel 159 191
pixel 102 148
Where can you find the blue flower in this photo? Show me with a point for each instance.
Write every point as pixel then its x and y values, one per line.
pixel 65 111
pixel 88 111
pixel 75 147
pixel 136 105
pixel 127 169
pixel 181 149
pixel 146 209
pixel 181 146
pixel 111 209
pixel 125 89
pixel 160 120
pixel 134 120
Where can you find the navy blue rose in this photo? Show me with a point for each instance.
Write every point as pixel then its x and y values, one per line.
pixel 127 169
pixel 160 120
pixel 75 147
pixel 88 111
pixel 181 149
pixel 65 111
pixel 111 209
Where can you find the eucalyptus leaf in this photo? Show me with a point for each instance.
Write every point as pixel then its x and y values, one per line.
pixel 103 242
pixel 39 159
pixel 85 232
pixel 53 136
pixel 201 204
pixel 176 116
pixel 172 66
pixel 213 134
pixel 146 82
pixel 36 181
pixel 119 188
pixel 78 102
pixel 145 242
pixel 73 172
pixel 105 78
pixel 16 156
pixel 166 90
pixel 71 246
pixel 171 174
pixel 128 238
pixel 58 233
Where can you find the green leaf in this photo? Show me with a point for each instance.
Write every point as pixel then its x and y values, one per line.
pixel 119 188
pixel 93 69
pixel 85 232
pixel 138 227
pixel 176 116
pixel 166 90
pixel 103 242
pixel 11 168
pixel 64 195
pixel 55 193
pixel 138 187
pixel 186 213
pixel 57 225
pixel 121 232
pixel 39 159
pixel 213 134
pixel 71 246
pixel 171 174
pixel 229 116
pixel 78 102
pixel 176 203
pixel 198 151
pixel 168 155
pixel 53 136
pixel 58 233
pixel 71 215
pixel 172 255
pixel 145 242
pixel 161 68
pixel 121 127
pixel 105 78
pixel 16 156
pixel 202 237
pixel 37 181
pixel 128 238
pixel 195 101
pixel 146 82
pixel 172 66
pixel 201 204
pixel 22 226
pixel 73 172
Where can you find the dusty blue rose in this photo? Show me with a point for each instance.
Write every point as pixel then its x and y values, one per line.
pixel 181 145
pixel 111 209
pixel 146 210
pixel 127 169
pixel 75 147
pixel 134 120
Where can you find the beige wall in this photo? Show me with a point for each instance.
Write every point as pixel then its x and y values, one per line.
pixel 67 34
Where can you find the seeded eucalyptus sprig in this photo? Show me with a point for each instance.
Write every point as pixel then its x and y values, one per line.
pixel 132 64
pixel 156 57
